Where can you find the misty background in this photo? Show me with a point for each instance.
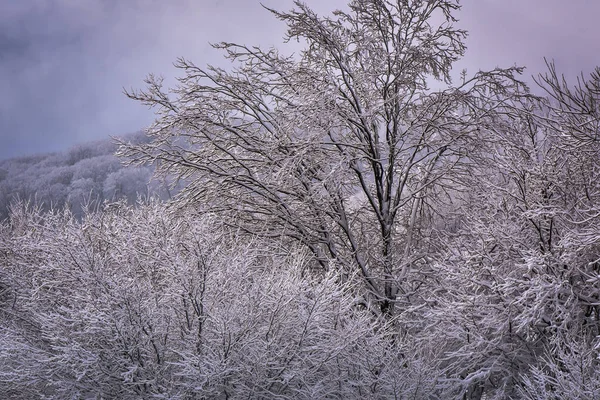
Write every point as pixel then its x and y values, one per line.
pixel 64 63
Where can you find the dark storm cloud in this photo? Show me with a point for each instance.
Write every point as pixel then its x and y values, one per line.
pixel 63 63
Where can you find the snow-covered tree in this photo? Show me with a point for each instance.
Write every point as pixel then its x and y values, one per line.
pixel 340 148
pixel 515 299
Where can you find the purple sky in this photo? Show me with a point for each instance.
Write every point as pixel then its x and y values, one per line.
pixel 63 63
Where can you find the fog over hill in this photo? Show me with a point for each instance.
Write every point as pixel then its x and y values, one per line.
pixel 86 174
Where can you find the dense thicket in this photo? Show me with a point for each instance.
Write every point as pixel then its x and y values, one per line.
pixel 347 232
pixel 143 303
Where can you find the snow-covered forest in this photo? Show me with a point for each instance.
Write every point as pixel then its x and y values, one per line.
pixel 355 224
pixel 81 178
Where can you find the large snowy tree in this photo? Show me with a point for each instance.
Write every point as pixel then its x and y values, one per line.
pixel 342 148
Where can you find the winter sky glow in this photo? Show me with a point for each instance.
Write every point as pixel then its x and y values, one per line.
pixel 64 63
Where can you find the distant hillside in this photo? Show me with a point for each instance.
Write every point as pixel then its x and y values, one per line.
pixel 88 173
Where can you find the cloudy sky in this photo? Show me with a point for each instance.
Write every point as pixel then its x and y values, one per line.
pixel 64 63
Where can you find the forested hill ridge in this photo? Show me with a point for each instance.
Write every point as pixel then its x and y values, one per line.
pixel 88 173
